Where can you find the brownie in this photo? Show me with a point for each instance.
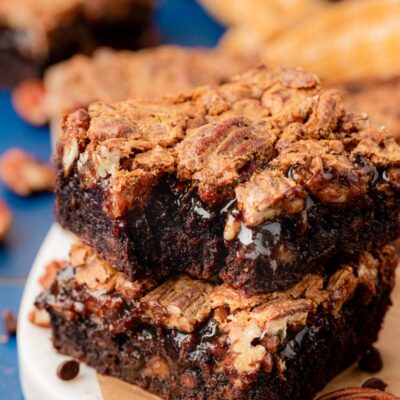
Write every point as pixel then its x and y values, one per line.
pixel 34 34
pixel 379 97
pixel 256 182
pixel 147 74
pixel 193 339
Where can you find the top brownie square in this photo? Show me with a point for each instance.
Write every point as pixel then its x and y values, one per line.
pixel 256 182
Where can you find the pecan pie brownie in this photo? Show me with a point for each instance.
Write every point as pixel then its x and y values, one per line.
pixel 35 33
pixel 192 339
pixel 256 182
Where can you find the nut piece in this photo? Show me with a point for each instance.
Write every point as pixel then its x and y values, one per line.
pixel 341 286
pixel 50 272
pixel 268 194
pixel 180 303
pixel 5 219
pixel 97 274
pixel 39 317
pixel 10 322
pixel 132 289
pixel 25 175
pixel 28 102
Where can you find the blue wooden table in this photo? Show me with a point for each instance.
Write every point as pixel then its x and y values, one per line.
pixel 182 22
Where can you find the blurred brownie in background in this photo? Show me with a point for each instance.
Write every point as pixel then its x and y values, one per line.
pixel 146 74
pixel 379 97
pixel 36 33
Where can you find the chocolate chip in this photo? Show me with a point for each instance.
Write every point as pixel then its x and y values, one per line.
pixel 371 361
pixel 10 322
pixel 375 383
pixel 68 370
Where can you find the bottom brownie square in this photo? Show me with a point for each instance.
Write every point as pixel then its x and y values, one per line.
pixel 192 339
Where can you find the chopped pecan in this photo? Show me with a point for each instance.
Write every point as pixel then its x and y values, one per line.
pixel 132 289
pixel 50 273
pixel 325 170
pixel 268 194
pixel 341 286
pixel 245 356
pixel 97 274
pixel 180 303
pixel 214 154
pixel 24 175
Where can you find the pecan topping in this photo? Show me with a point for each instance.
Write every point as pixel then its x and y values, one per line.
pixel 50 273
pixel 269 137
pixel 180 303
pixel 268 194
pixel 94 272
pixel 341 286
pixel 324 169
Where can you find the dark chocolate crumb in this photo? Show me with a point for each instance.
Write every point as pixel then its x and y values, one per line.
pixel 10 322
pixel 375 383
pixel 68 370
pixel 371 361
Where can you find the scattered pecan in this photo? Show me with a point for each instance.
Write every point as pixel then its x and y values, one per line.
pixel 24 175
pixel 180 303
pixel 5 219
pixel 28 102
pixel 268 194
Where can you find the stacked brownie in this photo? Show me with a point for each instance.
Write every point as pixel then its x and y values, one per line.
pixel 36 33
pixel 233 241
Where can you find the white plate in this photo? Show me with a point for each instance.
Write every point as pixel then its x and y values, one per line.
pixel 38 360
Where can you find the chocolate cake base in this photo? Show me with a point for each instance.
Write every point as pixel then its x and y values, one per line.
pixel 190 339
